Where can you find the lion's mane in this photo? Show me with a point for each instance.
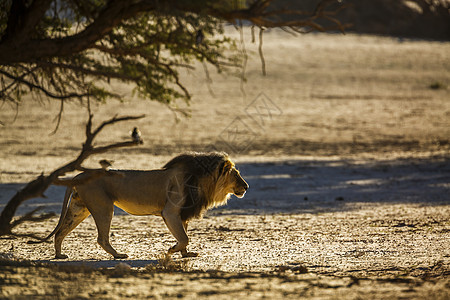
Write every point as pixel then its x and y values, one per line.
pixel 205 181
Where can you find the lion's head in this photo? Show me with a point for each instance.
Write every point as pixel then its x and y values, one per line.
pixel 209 180
pixel 233 183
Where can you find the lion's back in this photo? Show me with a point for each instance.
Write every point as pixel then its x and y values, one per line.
pixel 137 192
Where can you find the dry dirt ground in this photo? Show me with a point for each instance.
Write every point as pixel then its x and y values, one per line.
pixel 345 145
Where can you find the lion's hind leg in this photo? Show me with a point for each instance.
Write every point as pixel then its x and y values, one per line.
pixel 102 211
pixel 76 213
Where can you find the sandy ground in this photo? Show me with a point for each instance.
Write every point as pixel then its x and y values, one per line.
pixel 346 149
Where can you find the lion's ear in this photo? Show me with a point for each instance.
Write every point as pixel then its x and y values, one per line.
pixel 226 167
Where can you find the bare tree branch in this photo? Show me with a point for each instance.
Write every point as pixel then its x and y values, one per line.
pixel 261 54
pixel 208 79
pixel 41 88
pixel 59 116
pixel 244 61
pixel 82 70
pixel 37 187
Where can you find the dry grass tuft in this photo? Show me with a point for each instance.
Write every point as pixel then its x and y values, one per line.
pixel 167 263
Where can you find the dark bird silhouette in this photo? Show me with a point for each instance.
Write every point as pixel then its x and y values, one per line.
pixel 199 37
pixel 106 164
pixel 136 135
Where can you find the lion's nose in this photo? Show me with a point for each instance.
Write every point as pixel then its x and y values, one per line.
pixel 246 186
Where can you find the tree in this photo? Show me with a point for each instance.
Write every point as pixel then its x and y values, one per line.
pixel 72 49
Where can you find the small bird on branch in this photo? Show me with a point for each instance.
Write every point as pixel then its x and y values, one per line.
pixel 199 37
pixel 106 164
pixel 136 136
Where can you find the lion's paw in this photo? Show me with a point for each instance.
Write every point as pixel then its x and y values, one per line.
pixel 61 256
pixel 189 254
pixel 120 256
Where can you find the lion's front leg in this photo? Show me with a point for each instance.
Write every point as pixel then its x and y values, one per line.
pixel 172 217
pixel 184 252
pixel 178 229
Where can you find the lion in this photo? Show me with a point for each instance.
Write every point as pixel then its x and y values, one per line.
pixel 185 188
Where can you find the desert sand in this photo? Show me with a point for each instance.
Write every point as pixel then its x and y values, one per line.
pixel 345 146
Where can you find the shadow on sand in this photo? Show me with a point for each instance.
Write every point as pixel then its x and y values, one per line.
pixel 312 186
pixel 93 263
pixel 299 186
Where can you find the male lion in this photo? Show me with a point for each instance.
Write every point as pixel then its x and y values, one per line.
pixel 183 189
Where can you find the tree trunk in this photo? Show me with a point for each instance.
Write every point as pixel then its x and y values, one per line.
pixel 33 189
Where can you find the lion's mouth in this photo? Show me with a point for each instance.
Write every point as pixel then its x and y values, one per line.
pixel 240 194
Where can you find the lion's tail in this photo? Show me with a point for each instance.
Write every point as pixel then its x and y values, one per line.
pixel 67 198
